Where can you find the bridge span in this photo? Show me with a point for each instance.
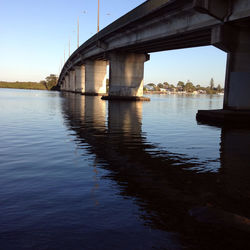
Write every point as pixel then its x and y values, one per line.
pixel 159 25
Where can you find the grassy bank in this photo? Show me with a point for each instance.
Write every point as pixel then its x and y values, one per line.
pixel 23 85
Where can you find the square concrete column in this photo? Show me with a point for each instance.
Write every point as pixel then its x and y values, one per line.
pixel 95 77
pixel 72 80
pixel 236 42
pixel 63 85
pixel 67 83
pixel 80 79
pixel 126 75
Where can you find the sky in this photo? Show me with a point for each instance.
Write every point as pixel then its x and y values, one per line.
pixel 35 34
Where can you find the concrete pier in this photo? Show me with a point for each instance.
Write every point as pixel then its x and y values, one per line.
pixel 67 87
pixel 95 77
pixel 80 79
pixel 237 86
pixel 72 81
pixel 126 76
pixel 63 85
pixel 236 108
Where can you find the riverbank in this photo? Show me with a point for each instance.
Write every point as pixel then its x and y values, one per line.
pixel 23 85
pixel 27 85
pixel 177 93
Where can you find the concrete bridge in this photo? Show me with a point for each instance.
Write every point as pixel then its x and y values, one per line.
pixel 159 25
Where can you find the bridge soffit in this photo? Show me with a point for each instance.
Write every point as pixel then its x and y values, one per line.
pixel 219 9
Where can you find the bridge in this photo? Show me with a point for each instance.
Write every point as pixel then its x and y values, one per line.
pixel 160 25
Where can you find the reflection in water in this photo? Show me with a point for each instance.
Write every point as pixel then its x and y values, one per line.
pixel 170 198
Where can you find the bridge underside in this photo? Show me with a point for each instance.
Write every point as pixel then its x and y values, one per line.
pixel 160 25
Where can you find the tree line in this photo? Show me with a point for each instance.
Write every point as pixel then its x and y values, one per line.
pixel 187 87
pixel 49 83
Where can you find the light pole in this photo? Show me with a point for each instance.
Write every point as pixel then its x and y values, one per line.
pixel 78 32
pixel 69 47
pixel 98 16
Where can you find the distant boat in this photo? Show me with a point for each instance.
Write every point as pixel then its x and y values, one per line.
pixel 220 93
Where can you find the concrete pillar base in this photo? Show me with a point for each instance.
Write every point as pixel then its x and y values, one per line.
pixel 236 42
pixel 93 94
pixel 222 117
pixel 126 76
pixel 80 79
pixel 72 81
pixel 95 77
pixel 125 98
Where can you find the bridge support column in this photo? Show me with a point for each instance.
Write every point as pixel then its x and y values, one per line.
pixel 236 42
pixel 126 76
pixel 80 79
pixel 63 87
pixel 67 83
pixel 95 77
pixel 237 85
pixel 72 81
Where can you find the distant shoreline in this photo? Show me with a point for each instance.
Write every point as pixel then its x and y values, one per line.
pixel 25 85
pixel 177 93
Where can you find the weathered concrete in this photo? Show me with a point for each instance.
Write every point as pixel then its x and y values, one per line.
pixel 224 117
pixel 67 87
pixel 80 79
pixel 126 75
pixel 95 77
pixel 63 85
pixel 236 42
pixel 72 81
pixel 237 95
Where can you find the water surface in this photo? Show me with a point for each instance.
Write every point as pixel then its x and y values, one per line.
pixel 81 173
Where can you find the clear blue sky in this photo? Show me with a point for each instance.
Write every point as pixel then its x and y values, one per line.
pixel 34 35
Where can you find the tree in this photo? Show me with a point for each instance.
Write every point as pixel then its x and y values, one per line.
pixel 160 85
pixel 51 81
pixel 219 88
pixel 212 84
pixel 165 85
pixel 151 84
pixel 189 87
pixel 180 84
pixel 198 87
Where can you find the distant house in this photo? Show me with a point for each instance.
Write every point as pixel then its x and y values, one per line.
pixel 163 90
pixel 202 91
pixel 149 88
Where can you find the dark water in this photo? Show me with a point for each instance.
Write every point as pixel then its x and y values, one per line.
pixel 81 173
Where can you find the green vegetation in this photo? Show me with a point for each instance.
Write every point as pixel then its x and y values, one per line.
pixel 48 84
pixel 184 88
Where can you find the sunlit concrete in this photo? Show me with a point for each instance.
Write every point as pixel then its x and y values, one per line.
pixel 80 79
pixel 126 74
pixel 72 80
pixel 95 77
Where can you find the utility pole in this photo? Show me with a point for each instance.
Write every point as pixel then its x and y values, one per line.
pixel 98 16
pixel 78 32
pixel 69 47
pixel 64 55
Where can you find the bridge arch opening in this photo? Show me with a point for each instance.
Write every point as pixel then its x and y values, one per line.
pixel 201 66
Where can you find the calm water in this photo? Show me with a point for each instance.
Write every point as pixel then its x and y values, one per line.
pixel 81 173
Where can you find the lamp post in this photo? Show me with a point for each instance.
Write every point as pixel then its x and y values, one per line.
pixel 78 32
pixel 98 16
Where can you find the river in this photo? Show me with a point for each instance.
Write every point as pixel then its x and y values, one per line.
pixel 78 172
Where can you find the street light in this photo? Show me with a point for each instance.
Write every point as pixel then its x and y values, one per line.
pixel 78 32
pixel 98 17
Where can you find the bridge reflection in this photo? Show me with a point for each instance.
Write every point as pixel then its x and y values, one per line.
pixel 171 196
